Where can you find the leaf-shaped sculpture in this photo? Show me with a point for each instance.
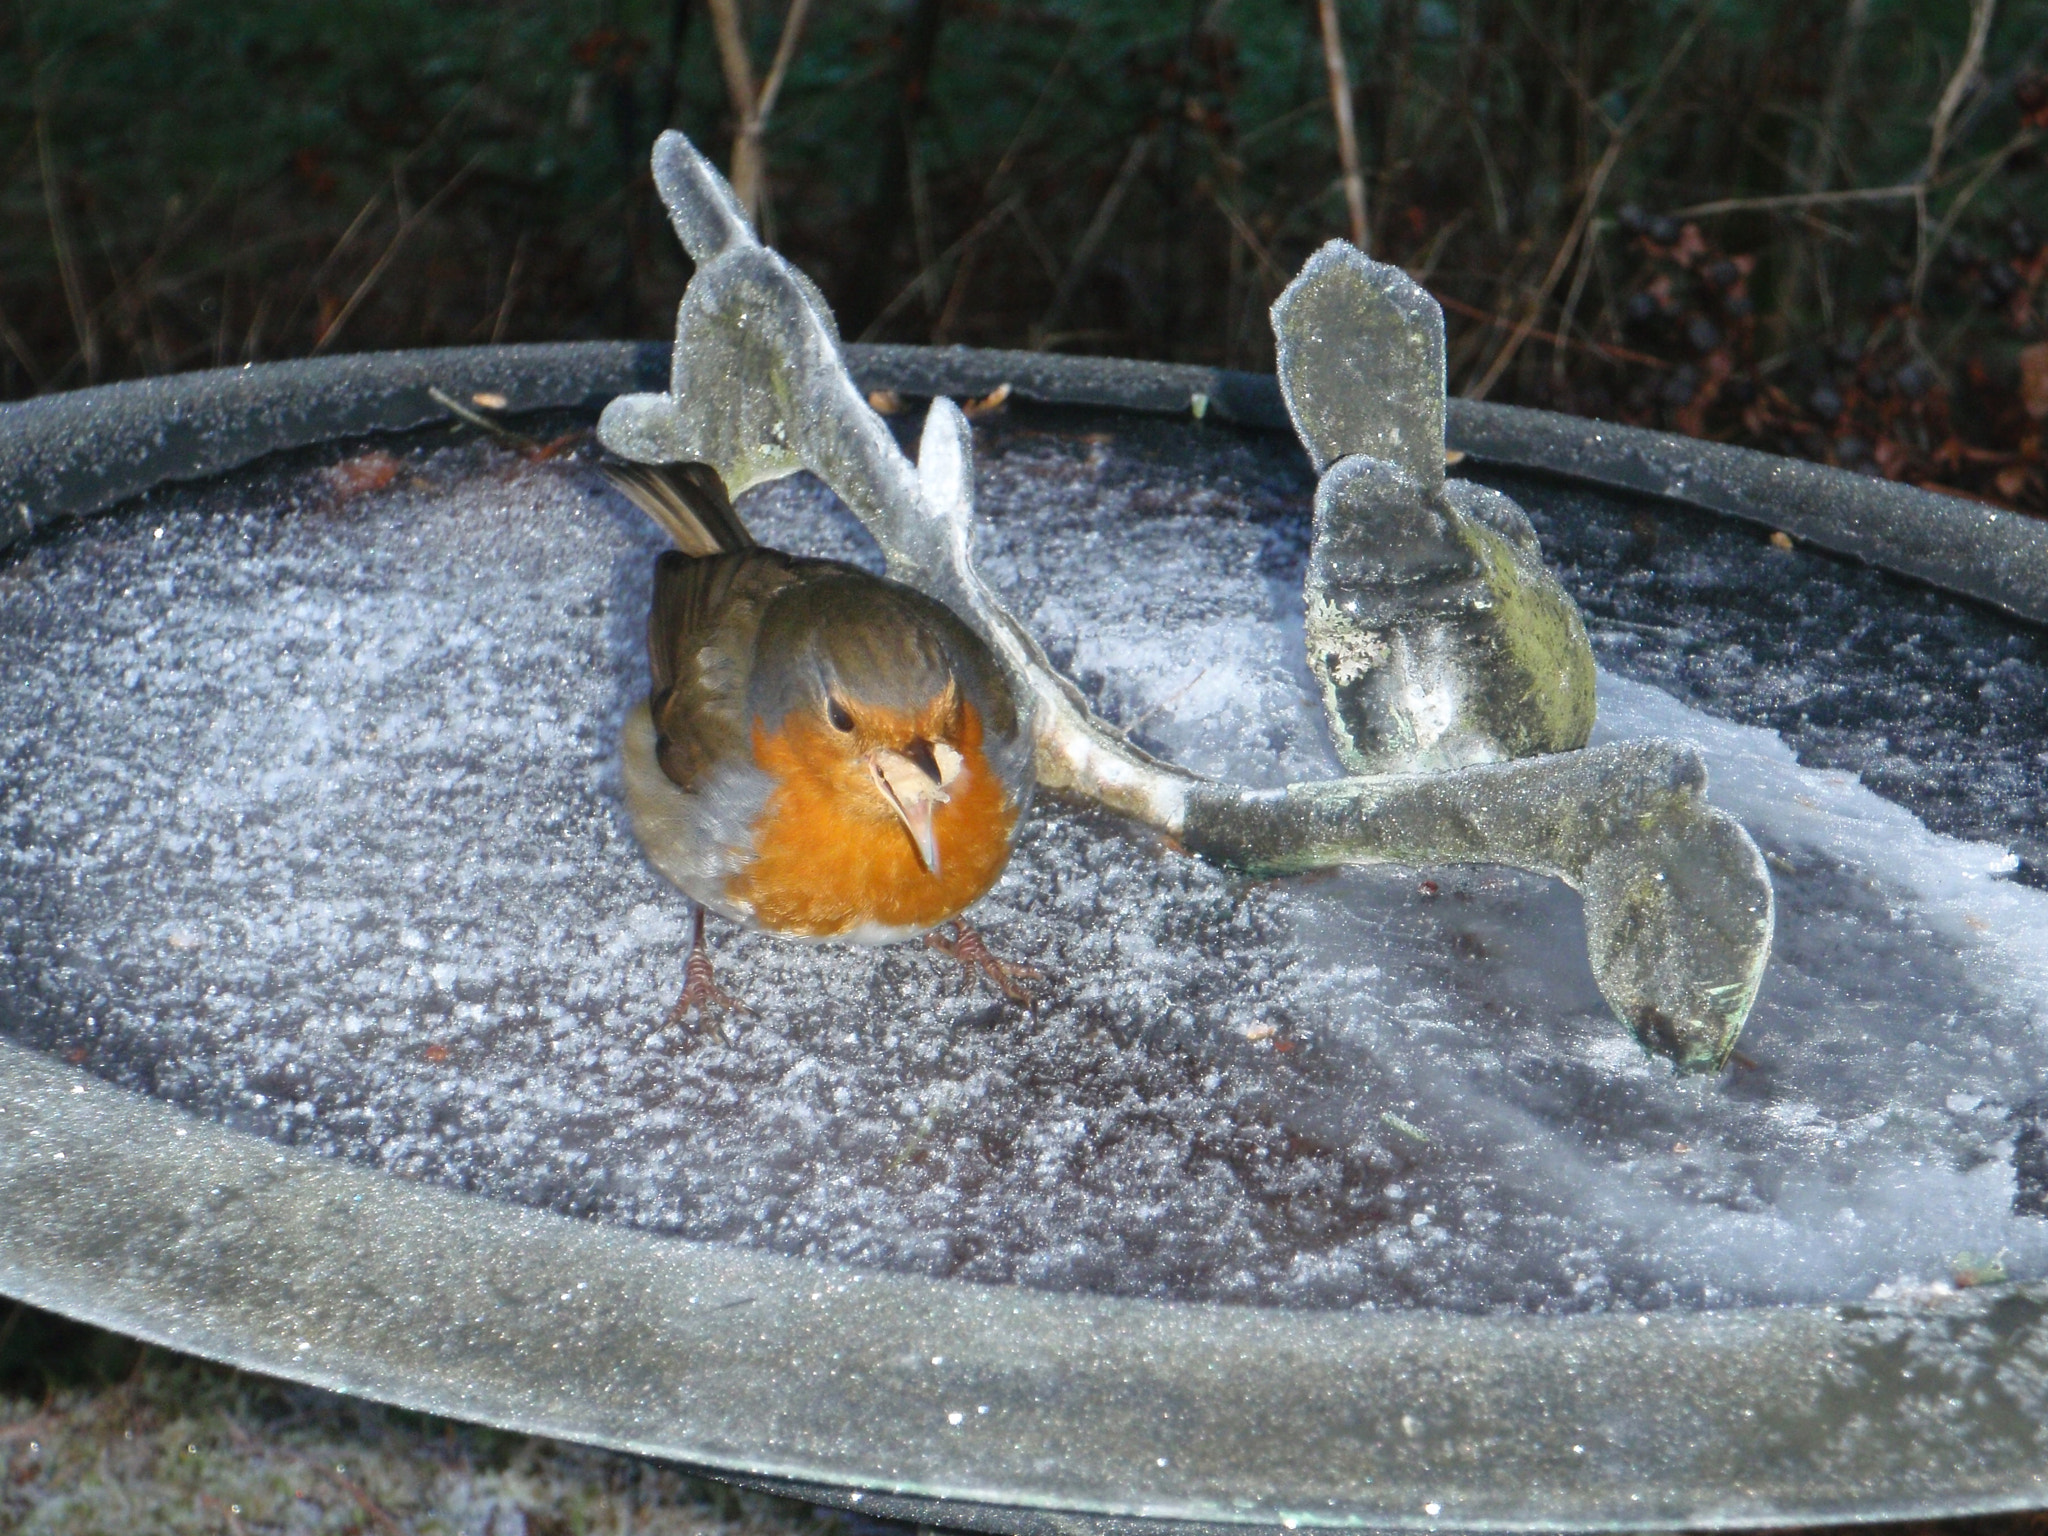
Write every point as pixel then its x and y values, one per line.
pixel 1439 637
pixel 1678 903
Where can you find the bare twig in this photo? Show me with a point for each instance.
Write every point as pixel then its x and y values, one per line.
pixel 253 340
pixel 1854 20
pixel 965 243
pixel 355 227
pixel 67 258
pixel 406 226
pixel 19 347
pixel 1571 301
pixel 1347 132
pixel 1402 19
pixel 737 67
pixel 1166 703
pixel 495 430
pixel 752 106
pixel 921 227
pixel 1093 236
pixel 1273 124
pixel 956 295
pixel 1596 184
pixel 2025 139
pixel 1597 348
pixel 1496 190
pixel 1566 248
pixel 1035 242
pixel 1959 83
pixel 1017 140
pixel 1424 269
pixel 785 50
pixel 512 274
pixel 1952 95
pixel 1250 239
pixel 374 202
pixel 1798 200
pixel 1562 65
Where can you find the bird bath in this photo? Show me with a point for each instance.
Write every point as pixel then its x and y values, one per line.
pixel 332 989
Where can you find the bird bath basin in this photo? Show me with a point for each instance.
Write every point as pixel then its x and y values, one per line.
pixel 332 989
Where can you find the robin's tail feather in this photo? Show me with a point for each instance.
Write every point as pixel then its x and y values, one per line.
pixel 688 500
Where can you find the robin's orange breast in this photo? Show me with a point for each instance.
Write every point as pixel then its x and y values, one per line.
pixel 831 861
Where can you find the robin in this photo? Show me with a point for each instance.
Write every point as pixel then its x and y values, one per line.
pixel 826 753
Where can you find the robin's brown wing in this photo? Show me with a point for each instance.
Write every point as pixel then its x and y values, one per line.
pixel 700 649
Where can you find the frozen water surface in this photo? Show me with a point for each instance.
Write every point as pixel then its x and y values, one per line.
pixel 311 822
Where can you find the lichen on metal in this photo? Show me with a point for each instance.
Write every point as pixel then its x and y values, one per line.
pixel 1678 901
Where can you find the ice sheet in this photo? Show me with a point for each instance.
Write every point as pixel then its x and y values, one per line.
pixel 311 822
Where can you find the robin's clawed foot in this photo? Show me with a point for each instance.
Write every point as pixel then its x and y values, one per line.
pixel 701 991
pixel 974 957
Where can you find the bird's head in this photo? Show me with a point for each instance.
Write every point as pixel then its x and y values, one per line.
pixel 872 697
pixel 911 763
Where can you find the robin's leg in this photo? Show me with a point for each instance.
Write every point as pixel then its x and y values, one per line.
pixel 966 947
pixel 701 990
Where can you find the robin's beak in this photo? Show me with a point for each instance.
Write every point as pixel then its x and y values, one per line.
pixel 914 782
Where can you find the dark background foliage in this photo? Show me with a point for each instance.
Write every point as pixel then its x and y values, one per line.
pixel 1816 229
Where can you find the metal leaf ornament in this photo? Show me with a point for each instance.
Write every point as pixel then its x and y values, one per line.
pixel 1455 670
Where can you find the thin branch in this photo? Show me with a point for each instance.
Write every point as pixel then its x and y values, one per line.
pixel 1250 239
pixel 1273 124
pixel 1794 200
pixel 1959 83
pixel 1597 348
pixel 733 60
pixel 1596 184
pixel 406 226
pixel 751 106
pixel 253 339
pixel 1952 94
pixel 921 227
pixel 1035 242
pixel 375 201
pixel 1424 269
pixel 1853 24
pixel 512 274
pixel 1093 236
pixel 19 347
pixel 965 243
pixel 1563 66
pixel 67 258
pixel 1566 248
pixel 1347 133
pixel 2025 139
pixel 1571 301
pixel 355 227
pixel 1017 140
pixel 785 50
pixel 956 295
pixel 1496 191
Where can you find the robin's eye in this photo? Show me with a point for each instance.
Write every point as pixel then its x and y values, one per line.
pixel 836 713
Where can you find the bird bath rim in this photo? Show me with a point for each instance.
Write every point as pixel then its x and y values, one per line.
pixel 83 451
pixel 130 1214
